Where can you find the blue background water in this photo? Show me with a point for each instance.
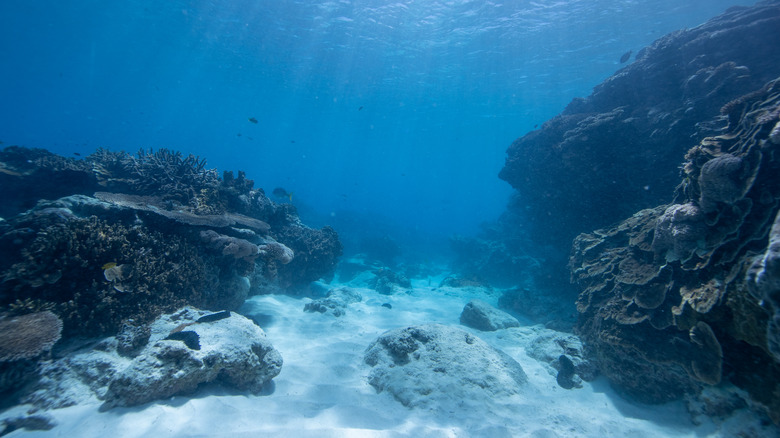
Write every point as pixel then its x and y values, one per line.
pixel 369 111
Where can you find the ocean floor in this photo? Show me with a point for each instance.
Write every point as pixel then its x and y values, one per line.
pixel 323 389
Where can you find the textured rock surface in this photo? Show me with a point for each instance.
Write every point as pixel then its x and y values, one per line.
pixel 482 316
pixel 618 150
pixel 564 357
pixel 666 303
pixel 232 350
pixel 764 282
pixel 335 303
pixel 441 367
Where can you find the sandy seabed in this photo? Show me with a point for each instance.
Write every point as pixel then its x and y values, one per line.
pixel 323 389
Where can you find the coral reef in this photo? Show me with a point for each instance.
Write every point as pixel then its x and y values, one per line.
pixel 124 239
pixel 669 297
pixel 618 150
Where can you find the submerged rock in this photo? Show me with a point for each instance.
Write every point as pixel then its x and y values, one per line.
pixel 231 350
pixel 335 303
pixel 440 367
pixel 482 316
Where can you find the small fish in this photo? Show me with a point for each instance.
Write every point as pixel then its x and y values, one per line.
pixel 108 265
pixel 77 154
pixel 253 120
pixel 360 109
pixel 625 57
pixel 536 126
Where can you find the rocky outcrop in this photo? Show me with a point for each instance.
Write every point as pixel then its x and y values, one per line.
pixel 670 297
pixel 441 368
pixel 482 316
pixel 161 232
pixel 618 150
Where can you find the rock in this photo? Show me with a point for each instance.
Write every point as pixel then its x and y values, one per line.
pixel 440 367
pixel 29 422
pixel 482 316
pixel 563 356
pixel 232 350
pixel 388 282
pixel 335 302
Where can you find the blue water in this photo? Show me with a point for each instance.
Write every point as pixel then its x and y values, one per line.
pixel 370 112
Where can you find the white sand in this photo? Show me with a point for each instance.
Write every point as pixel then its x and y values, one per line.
pixel 322 390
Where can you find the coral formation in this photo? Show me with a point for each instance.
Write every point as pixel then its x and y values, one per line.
pixel 124 239
pixel 666 304
pixel 618 150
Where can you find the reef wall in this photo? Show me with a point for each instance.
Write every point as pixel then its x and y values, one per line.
pixel 618 151
pixel 679 286
pixel 686 294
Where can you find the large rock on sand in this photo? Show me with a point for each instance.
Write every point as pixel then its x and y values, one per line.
pixel 440 367
pixel 191 347
pixel 482 316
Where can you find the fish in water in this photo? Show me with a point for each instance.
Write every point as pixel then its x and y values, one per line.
pixel 360 109
pixel 108 265
pixel 625 57
pixel 282 193
pixel 253 120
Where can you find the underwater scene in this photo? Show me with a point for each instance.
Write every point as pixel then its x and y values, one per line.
pixel 411 218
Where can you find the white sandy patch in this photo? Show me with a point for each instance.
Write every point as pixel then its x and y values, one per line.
pixel 322 390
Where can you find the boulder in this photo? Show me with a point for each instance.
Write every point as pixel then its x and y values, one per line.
pixel 231 349
pixel 441 368
pixel 482 316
